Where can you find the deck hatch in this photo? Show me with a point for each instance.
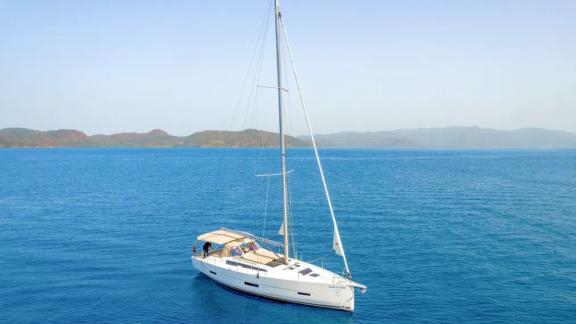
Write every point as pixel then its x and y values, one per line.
pixel 305 271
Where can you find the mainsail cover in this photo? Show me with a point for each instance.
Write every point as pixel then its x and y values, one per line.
pixel 337 244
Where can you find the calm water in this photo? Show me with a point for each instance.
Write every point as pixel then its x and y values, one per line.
pixel 104 236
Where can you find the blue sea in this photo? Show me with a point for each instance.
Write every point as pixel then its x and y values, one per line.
pixel 438 236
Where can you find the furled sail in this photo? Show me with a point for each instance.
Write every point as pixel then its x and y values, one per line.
pixel 337 244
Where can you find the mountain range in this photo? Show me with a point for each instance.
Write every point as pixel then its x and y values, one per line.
pixel 22 137
pixel 453 137
pixel 448 137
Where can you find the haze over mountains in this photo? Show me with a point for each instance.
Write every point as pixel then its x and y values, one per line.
pixel 449 137
pixel 453 137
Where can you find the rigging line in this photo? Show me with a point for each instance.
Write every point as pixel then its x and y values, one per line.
pixel 290 214
pixel 319 258
pixel 318 162
pixel 272 174
pixel 261 37
pixel 272 196
pixel 288 102
pixel 252 71
pixel 253 99
pixel 257 75
pixel 266 207
pixel 269 87
pixel 257 70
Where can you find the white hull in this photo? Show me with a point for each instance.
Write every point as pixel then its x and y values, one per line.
pixel 281 283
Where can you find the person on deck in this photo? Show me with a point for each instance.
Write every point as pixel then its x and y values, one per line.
pixel 206 247
pixel 252 246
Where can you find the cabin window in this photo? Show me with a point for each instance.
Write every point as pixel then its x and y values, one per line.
pixel 212 272
pixel 245 266
pixel 250 284
pixel 305 271
pixel 303 294
pixel 236 251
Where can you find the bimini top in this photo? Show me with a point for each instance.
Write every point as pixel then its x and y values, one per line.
pixel 222 237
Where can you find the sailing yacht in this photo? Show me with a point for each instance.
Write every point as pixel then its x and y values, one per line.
pixel 245 262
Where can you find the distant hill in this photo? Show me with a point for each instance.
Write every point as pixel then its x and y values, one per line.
pixel 449 137
pixel 453 137
pixel 22 137
pixel 155 138
pixel 245 138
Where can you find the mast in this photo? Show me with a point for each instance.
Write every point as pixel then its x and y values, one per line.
pixel 280 89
